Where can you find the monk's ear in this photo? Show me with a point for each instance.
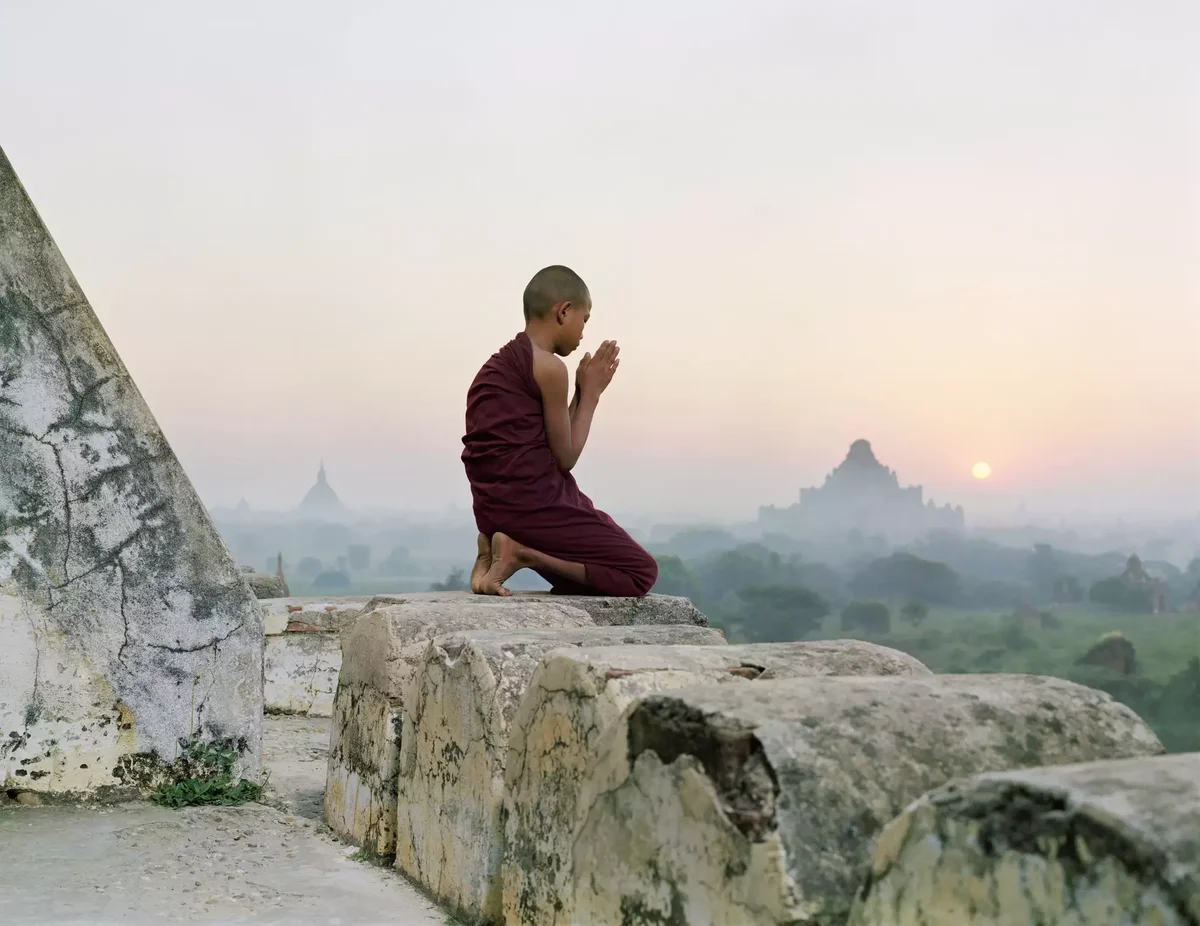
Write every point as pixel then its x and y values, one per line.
pixel 560 312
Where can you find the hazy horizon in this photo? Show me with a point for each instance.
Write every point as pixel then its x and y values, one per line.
pixel 962 234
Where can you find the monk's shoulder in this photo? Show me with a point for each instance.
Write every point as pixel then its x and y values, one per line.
pixel 548 364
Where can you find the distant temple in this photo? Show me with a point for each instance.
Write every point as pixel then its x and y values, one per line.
pixel 322 503
pixel 1155 589
pixel 863 495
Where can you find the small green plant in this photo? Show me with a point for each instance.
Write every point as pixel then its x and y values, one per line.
pixel 208 768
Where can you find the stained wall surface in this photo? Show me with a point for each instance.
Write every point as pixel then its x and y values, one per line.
pixel 124 623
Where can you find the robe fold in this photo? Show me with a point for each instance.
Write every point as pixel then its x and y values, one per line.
pixel 517 487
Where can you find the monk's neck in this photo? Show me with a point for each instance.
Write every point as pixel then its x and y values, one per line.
pixel 540 338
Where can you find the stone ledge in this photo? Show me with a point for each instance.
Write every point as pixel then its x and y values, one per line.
pixel 576 695
pixel 338 612
pixel 759 803
pixel 1106 842
pixel 455 746
pixel 380 657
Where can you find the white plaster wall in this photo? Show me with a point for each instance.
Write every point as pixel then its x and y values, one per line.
pixel 118 589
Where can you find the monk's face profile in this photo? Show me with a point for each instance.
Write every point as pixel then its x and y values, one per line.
pixel 572 318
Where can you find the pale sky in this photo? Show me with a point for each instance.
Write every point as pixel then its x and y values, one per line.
pixel 962 230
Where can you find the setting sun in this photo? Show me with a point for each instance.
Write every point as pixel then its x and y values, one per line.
pixel 981 470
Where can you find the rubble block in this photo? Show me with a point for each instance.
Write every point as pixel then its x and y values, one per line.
pixel 263 585
pixel 334 614
pixel 575 696
pixel 454 747
pixel 300 672
pixel 759 803
pixel 1101 844
pixel 380 656
pixel 125 625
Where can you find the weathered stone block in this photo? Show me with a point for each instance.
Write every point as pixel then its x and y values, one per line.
pixel 1101 844
pixel 300 672
pixel 575 696
pixel 380 656
pixel 455 744
pixel 759 803
pixel 265 586
pixel 125 625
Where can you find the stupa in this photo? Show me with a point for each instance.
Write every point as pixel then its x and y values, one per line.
pixel 322 502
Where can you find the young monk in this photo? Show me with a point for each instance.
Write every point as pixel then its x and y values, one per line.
pixel 524 436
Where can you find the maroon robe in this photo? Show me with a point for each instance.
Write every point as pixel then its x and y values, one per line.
pixel 518 488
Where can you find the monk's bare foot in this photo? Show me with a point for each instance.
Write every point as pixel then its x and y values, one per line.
pixel 506 560
pixel 483 562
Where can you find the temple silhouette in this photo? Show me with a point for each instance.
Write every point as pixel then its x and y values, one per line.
pixel 861 494
pixel 322 503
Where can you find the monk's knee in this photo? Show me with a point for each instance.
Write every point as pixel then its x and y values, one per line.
pixel 646 576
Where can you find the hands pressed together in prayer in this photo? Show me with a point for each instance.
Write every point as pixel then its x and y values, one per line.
pixel 596 372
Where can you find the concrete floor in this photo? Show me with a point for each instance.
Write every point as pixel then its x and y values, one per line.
pixel 131 864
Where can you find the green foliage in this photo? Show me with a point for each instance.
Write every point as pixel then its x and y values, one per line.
pixel 904 575
pixel 1049 620
pixel 674 577
pixel 869 617
pixel 1013 635
pixel 209 770
pixel 454 582
pixel 1114 593
pixel 780 613
pixel 333 580
pixel 915 611
pixel 308 567
pixel 1067 590
pixel 1171 708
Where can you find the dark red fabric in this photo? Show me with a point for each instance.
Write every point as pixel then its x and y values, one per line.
pixel 518 489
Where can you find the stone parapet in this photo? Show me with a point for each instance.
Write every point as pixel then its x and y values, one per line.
pixel 759 803
pixel 576 695
pixel 454 746
pixel 1101 844
pixel 381 654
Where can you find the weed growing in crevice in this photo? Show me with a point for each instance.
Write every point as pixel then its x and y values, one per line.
pixel 205 776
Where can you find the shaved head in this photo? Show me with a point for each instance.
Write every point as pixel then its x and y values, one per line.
pixel 551 286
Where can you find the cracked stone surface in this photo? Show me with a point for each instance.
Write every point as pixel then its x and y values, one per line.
pixel 1083 845
pixel 300 672
pixel 454 747
pixel 575 696
pixel 380 657
pixel 136 864
pixel 759 803
pixel 124 623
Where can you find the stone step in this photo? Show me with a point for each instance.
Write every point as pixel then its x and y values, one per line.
pixel 576 695
pixel 454 746
pixel 1101 844
pixel 759 803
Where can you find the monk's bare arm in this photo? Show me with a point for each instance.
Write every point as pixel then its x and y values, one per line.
pixel 567 425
